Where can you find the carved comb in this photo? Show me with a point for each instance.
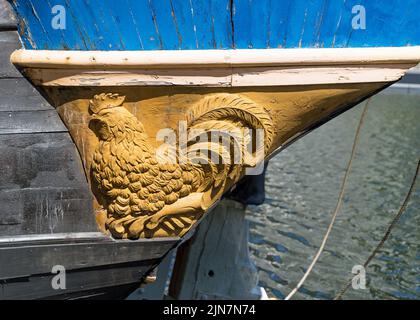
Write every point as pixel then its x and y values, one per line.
pixel 105 101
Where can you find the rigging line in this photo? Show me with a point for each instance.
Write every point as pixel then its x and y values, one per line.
pixel 338 205
pixel 388 231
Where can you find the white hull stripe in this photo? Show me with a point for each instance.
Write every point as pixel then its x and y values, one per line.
pixel 224 68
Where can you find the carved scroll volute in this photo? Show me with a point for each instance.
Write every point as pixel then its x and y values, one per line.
pixel 148 195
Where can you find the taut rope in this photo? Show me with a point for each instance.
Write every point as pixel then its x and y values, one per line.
pixel 388 231
pixel 338 205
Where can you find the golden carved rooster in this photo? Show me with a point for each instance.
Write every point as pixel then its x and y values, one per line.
pixel 146 195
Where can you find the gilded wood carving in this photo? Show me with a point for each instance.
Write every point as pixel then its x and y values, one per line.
pixel 158 158
pixel 163 191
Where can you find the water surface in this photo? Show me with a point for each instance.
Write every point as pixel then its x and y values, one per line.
pixel 302 186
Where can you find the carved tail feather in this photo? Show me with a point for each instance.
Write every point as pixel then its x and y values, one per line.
pixel 233 108
pixel 237 116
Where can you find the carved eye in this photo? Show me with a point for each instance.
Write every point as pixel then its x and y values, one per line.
pixel 101 128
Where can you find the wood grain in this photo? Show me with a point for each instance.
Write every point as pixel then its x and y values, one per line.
pixel 9 42
pixel 17 94
pixel 7 17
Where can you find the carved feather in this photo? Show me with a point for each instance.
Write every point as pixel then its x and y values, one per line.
pixel 145 197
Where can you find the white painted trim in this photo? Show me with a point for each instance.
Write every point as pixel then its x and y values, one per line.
pixel 218 77
pixel 221 58
pixel 216 68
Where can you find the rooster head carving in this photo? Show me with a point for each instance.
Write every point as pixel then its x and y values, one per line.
pixel 110 120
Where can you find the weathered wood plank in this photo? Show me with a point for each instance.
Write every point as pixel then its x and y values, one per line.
pixel 9 42
pixel 42 185
pixel 17 94
pixel 46 210
pixel 132 25
pixel 76 282
pixel 39 161
pixel 92 262
pixel 30 122
pixel 195 24
pixel 216 263
pixel 91 253
pixel 7 18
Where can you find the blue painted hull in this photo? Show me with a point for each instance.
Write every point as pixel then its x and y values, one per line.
pixel 216 24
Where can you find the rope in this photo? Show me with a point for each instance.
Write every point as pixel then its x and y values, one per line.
pixel 388 231
pixel 338 205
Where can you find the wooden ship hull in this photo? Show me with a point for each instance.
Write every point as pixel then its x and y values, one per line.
pixel 83 185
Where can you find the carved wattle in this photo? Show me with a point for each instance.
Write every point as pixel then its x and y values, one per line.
pixel 148 195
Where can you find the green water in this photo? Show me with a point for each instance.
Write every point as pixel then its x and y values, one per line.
pixel 302 186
